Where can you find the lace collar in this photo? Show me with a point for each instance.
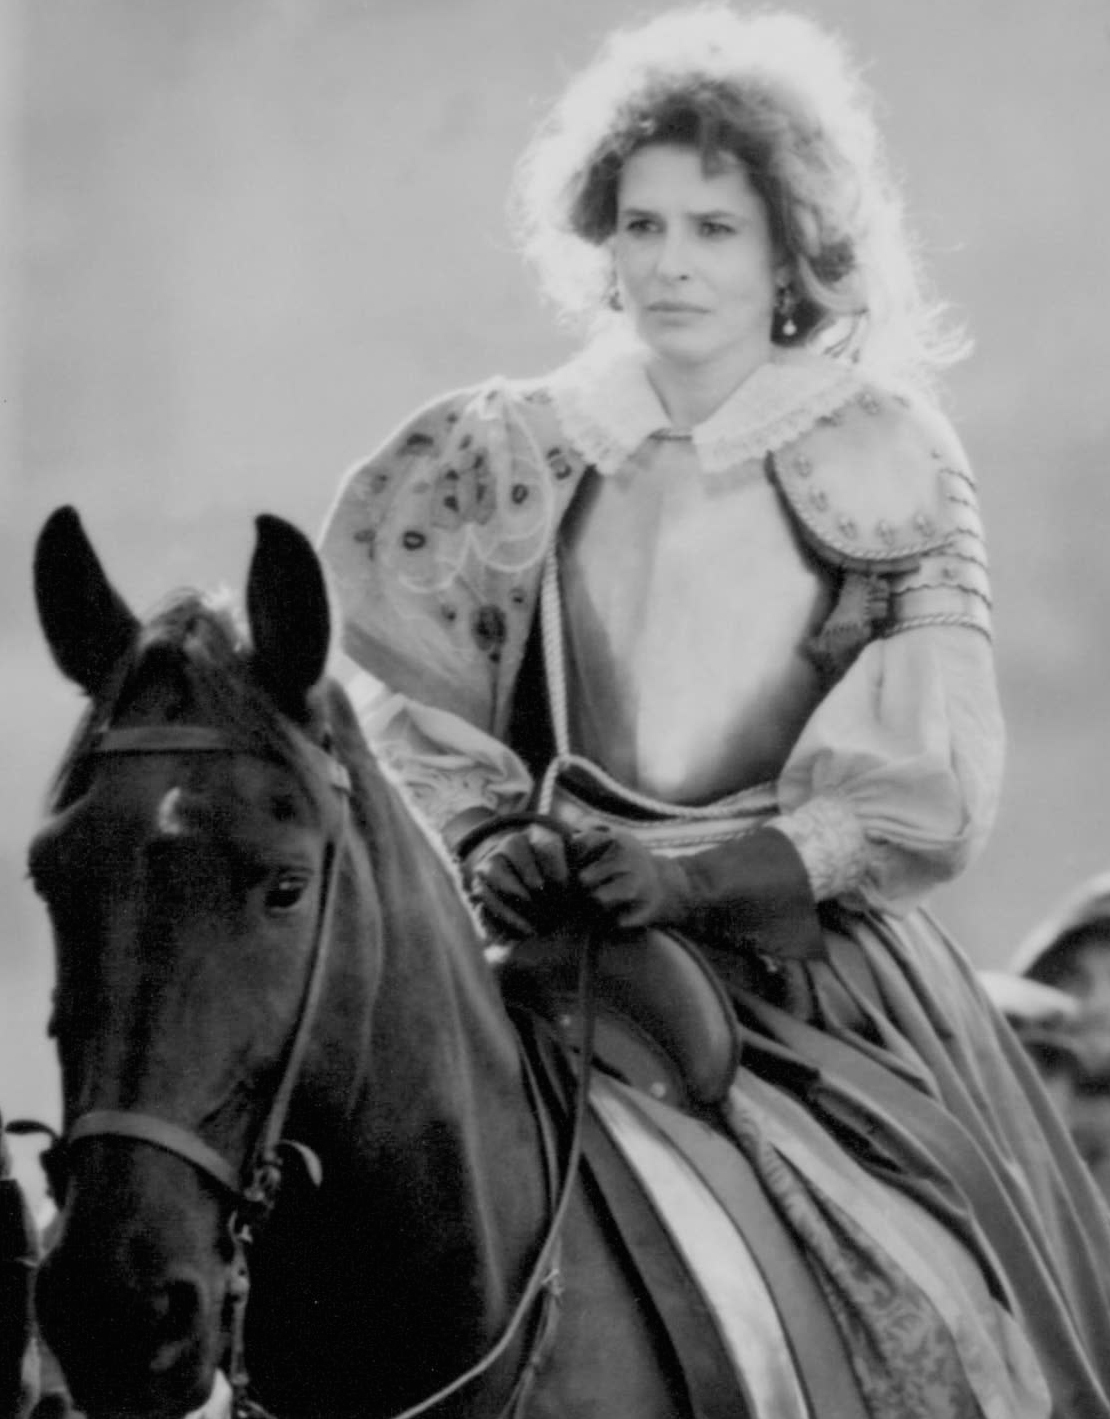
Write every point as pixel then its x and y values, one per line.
pixel 607 407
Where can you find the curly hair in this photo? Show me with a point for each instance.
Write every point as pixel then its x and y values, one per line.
pixel 781 95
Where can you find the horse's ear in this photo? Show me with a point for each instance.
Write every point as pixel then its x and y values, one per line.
pixel 287 606
pixel 86 623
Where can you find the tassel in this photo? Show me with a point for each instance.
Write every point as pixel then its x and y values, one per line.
pixel 863 604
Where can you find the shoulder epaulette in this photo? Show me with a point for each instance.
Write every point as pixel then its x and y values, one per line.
pixel 883 486
pixel 865 483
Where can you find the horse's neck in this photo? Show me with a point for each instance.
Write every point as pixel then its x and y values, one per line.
pixel 447 1152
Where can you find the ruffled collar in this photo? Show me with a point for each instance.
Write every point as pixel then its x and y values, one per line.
pixel 608 408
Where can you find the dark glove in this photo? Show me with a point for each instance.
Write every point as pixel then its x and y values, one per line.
pixel 634 888
pixel 519 881
pixel 752 892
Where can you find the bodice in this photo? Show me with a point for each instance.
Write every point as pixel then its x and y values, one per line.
pixel 687 604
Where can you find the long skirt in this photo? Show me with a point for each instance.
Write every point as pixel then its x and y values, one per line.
pixel 962 1247
pixel 897 1124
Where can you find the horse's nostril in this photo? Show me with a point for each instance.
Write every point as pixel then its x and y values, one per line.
pixel 163 1322
pixel 176 1306
pixel 176 1311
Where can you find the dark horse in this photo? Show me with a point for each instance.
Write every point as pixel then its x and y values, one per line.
pixel 257 942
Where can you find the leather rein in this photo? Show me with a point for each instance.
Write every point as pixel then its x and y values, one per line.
pixel 254 1201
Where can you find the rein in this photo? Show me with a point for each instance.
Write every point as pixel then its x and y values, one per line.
pixel 254 1201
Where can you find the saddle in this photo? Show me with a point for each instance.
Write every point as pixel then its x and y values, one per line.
pixel 793 1360
pixel 663 1021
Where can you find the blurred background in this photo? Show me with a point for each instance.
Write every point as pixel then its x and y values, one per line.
pixel 241 239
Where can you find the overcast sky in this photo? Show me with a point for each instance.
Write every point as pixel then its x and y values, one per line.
pixel 245 237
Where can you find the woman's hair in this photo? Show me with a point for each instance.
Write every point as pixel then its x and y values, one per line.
pixel 779 94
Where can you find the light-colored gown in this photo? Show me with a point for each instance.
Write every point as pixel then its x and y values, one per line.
pixel 778 617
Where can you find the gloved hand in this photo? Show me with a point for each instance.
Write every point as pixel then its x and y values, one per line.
pixel 634 888
pixel 520 881
pixel 752 892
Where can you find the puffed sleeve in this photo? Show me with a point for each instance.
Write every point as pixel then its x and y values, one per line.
pixel 893 786
pixel 433 549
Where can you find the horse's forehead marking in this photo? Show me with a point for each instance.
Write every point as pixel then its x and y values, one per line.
pixel 169 818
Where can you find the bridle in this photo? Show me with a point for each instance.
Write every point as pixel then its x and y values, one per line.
pixel 254 1200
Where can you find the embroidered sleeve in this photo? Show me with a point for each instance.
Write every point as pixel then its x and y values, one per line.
pixel 950 587
pixel 433 549
pixel 893 784
pixel 434 546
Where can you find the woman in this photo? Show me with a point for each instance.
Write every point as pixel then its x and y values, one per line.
pixel 715 593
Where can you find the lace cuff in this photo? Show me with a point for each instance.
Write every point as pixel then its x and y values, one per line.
pixel 829 838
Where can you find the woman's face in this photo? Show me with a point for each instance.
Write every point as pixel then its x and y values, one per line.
pixel 695 260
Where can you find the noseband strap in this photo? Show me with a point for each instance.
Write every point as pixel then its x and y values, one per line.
pixel 159 1133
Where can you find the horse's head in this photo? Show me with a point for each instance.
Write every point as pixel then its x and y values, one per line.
pixel 188 864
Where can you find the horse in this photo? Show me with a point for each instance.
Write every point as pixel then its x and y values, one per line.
pixel 257 941
pixel 308 1141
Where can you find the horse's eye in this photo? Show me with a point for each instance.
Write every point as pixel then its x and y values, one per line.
pixel 286 891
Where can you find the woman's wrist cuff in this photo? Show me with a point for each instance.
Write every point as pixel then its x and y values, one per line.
pixel 828 836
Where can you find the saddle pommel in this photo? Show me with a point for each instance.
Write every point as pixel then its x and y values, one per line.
pixel 663 1020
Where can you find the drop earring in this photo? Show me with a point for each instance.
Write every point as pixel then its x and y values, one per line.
pixel 786 303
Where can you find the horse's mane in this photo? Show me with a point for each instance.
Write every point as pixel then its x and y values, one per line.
pixel 379 801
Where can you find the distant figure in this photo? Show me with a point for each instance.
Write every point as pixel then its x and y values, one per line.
pixel 1042 1017
pixel 1066 1025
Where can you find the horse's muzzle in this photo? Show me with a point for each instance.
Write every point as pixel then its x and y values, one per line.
pixel 129 1350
